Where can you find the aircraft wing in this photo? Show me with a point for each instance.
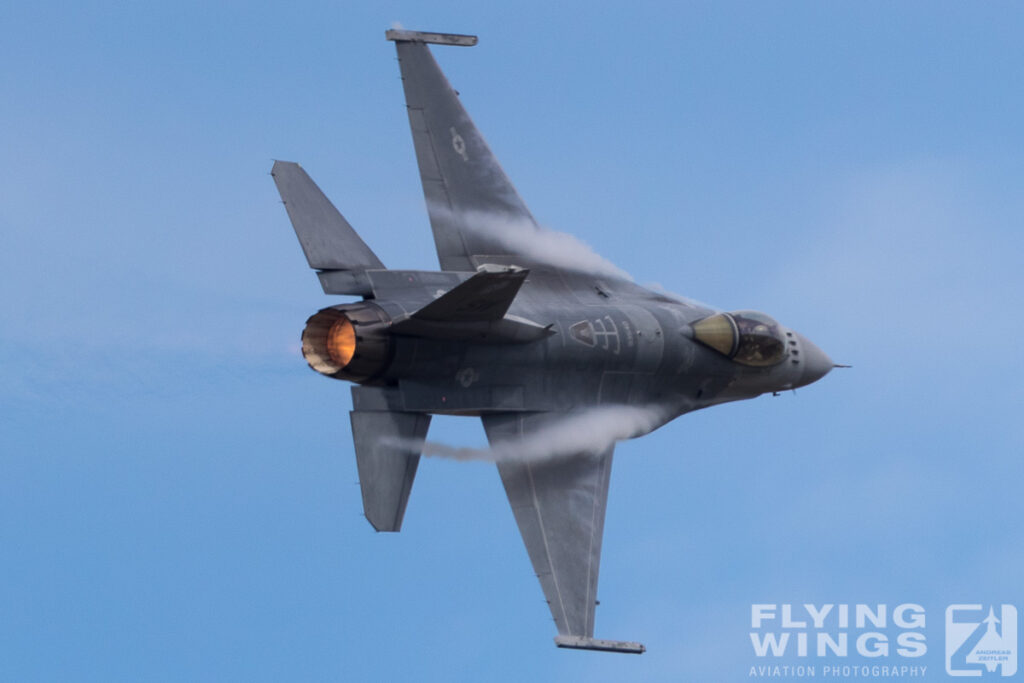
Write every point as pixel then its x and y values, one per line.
pixel 473 206
pixel 559 506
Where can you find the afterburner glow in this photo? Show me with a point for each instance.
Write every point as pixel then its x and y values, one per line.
pixel 341 342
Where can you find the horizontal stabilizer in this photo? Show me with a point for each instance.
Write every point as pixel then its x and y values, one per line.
pixel 387 455
pixel 581 643
pixel 327 239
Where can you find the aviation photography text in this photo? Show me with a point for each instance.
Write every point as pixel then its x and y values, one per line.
pixel 823 638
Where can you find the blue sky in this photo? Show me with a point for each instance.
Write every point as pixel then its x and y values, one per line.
pixel 178 493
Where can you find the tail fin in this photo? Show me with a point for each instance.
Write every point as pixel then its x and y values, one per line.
pixel 484 297
pixel 329 242
pixel 476 310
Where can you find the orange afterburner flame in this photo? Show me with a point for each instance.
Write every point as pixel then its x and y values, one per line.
pixel 341 341
pixel 330 341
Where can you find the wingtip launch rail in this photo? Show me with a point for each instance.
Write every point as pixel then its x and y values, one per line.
pixel 401 35
pixel 601 645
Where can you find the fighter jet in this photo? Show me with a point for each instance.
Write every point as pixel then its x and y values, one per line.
pixel 517 336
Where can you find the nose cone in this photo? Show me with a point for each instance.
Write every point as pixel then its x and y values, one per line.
pixel 816 363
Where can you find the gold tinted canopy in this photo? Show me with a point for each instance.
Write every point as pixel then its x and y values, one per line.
pixel 747 337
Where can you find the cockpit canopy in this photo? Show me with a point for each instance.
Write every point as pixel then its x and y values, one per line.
pixel 747 337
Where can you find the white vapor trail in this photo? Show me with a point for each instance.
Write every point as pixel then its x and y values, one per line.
pixel 521 235
pixel 658 288
pixel 589 431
